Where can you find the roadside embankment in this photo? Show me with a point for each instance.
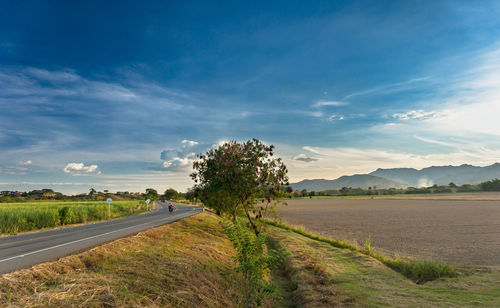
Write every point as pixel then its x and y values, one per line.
pixel 185 264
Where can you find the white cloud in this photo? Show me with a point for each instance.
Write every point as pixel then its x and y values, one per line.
pixel 80 168
pixel 182 158
pixel 189 143
pixel 469 105
pixel 416 115
pixel 335 117
pixel 25 163
pixel 329 103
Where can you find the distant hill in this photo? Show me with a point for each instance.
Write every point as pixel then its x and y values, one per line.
pixel 354 181
pixel 441 175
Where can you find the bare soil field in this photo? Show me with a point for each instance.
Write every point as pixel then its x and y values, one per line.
pixel 486 196
pixel 454 231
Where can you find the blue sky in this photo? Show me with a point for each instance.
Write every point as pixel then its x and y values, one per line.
pixel 119 95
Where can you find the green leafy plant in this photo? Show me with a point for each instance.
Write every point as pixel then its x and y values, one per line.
pixel 253 262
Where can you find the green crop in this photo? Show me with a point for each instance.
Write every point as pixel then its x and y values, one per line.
pixel 27 216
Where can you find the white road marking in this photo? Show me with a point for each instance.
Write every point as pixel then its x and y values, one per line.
pixel 80 240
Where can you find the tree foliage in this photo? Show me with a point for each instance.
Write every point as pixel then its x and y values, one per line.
pixel 151 194
pixel 241 177
pixel 171 194
pixel 492 185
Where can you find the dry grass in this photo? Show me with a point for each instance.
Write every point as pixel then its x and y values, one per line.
pixel 185 264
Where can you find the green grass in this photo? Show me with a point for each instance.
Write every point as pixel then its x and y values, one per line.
pixel 28 216
pixel 359 280
pixel 419 271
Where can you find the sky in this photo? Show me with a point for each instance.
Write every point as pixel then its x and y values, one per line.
pixel 122 95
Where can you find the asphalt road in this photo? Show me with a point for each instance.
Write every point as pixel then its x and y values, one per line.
pixel 21 251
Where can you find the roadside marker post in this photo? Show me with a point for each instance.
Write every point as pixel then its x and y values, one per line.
pixel 147 203
pixel 109 201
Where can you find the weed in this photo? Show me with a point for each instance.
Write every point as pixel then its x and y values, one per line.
pixel 368 246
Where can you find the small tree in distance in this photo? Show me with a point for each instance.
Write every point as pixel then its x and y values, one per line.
pixel 151 194
pixel 241 177
pixel 171 194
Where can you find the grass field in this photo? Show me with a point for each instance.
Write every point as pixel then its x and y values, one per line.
pixel 454 231
pixel 28 216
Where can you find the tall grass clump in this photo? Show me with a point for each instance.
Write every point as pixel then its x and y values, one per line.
pixel 28 216
pixel 420 271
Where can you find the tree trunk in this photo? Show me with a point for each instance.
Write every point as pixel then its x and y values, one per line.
pixel 254 227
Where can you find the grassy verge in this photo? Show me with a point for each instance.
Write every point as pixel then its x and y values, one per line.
pixel 185 264
pixel 319 275
pixel 28 216
pixel 419 271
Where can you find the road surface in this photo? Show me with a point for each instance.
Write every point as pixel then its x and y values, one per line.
pixel 21 251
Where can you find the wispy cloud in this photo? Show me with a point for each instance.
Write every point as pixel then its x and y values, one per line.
pixel 335 117
pixel 468 105
pixel 329 103
pixel 388 88
pixel 433 141
pixel 416 114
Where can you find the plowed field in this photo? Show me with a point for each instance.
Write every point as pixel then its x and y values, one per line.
pixel 455 231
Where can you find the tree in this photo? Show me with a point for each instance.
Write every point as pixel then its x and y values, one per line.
pixel 151 194
pixel 492 185
pixel 191 194
pixel 171 194
pixel 92 192
pixel 241 177
pixel 345 191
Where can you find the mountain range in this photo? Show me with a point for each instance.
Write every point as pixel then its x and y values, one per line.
pixel 404 177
